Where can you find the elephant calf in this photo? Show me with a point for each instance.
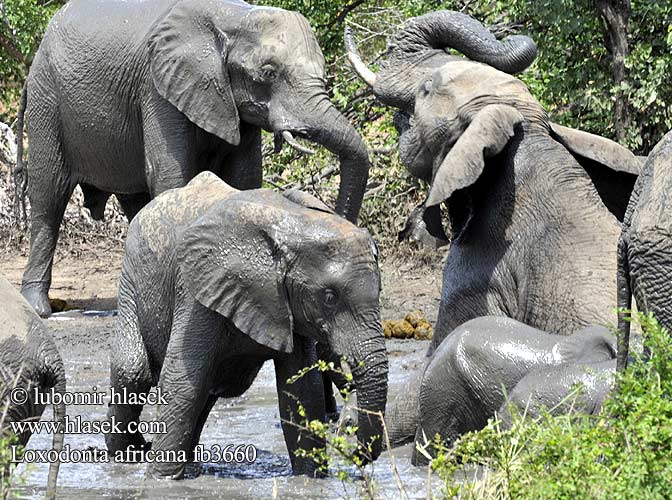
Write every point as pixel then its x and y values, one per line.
pixel 28 360
pixel 217 281
pixel 645 245
pixel 484 359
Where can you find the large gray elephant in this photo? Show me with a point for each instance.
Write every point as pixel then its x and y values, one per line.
pixel 215 282
pixel 29 361
pixel 534 207
pixel 487 358
pixel 134 98
pixel 645 246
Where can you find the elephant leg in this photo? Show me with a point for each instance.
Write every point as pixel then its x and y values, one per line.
pixel 307 391
pixel 185 383
pixel 131 204
pixel 129 371
pixel 49 189
pixel 332 378
pixel 201 421
pixel 170 155
pixel 242 167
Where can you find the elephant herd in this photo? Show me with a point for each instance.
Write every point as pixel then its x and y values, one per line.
pixel 162 104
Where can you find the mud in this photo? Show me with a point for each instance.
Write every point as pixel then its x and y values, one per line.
pixel 88 281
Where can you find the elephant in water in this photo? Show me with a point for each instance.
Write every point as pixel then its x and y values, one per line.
pixel 645 246
pixel 134 98
pixel 483 360
pixel 29 360
pixel 217 281
pixel 534 207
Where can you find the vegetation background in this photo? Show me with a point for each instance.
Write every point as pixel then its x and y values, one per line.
pixel 603 66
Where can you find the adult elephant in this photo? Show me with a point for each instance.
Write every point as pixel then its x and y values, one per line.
pixel 217 281
pixel 534 207
pixel 134 98
pixel 29 360
pixel 645 246
pixel 484 360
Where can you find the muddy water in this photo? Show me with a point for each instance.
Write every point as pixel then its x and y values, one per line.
pixel 250 419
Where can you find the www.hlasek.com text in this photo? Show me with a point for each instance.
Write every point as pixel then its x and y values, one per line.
pixel 242 453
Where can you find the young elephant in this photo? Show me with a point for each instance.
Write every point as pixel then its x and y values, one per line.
pixel 645 246
pixel 217 281
pixel 30 361
pixel 483 360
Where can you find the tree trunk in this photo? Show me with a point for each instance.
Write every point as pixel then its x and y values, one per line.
pixel 615 15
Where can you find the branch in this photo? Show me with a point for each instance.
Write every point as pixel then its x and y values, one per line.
pixel 12 49
pixel 341 17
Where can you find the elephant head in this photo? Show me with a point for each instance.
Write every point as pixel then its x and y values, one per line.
pixel 280 267
pixel 223 62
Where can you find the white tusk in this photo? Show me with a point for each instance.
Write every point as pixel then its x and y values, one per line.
pixel 289 139
pixel 356 60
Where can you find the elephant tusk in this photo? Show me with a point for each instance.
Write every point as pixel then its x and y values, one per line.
pixel 356 59
pixel 289 139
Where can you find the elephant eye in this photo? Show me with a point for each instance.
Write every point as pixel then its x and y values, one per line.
pixel 425 88
pixel 330 297
pixel 268 73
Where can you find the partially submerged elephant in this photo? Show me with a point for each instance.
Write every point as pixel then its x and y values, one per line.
pixel 134 98
pixel 217 281
pixel 645 246
pixel 485 359
pixel 534 207
pixel 29 360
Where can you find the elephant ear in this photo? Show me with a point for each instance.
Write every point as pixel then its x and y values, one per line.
pixel 591 344
pixel 188 66
pixel 486 136
pixel 612 168
pixel 305 200
pixel 231 263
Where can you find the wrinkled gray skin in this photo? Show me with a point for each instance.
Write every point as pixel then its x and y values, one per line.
pixel 484 359
pixel 136 97
pixel 645 247
pixel 215 282
pixel 28 359
pixel 533 206
pixel 560 390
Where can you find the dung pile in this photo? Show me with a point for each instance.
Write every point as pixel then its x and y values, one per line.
pixel 413 326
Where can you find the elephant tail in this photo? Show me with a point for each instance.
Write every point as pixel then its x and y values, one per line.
pixel 624 300
pixel 57 444
pixel 20 173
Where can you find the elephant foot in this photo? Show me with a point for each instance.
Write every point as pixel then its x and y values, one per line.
pixel 128 447
pixel 38 298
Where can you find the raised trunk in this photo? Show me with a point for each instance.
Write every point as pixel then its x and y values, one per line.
pixel 368 362
pixel 328 127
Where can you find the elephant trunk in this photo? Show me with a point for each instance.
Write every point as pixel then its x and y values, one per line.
pixel 329 128
pixel 448 29
pixel 58 377
pixel 368 363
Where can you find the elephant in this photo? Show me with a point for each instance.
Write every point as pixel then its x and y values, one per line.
pixel 644 249
pixel 29 360
pixel 554 389
pixel 534 207
pixel 483 360
pixel 134 98
pixel 215 282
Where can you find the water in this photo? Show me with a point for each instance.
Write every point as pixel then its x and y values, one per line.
pixel 250 419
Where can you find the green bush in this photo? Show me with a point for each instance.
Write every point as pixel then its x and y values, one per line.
pixel 625 452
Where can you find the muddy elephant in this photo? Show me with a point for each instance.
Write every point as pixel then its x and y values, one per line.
pixel 483 360
pixel 645 246
pixel 534 207
pixel 29 362
pixel 217 281
pixel 134 98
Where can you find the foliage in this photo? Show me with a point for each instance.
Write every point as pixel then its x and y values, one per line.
pixel 622 453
